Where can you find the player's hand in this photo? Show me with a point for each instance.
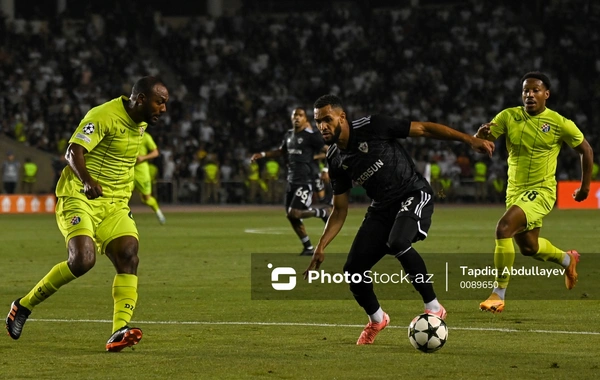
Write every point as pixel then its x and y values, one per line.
pixel 139 160
pixel 256 156
pixel 482 146
pixel 315 263
pixel 92 189
pixel 484 131
pixel 581 194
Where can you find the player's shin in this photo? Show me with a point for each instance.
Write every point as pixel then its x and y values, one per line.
pixel 58 276
pixel 416 269
pixel 548 252
pixel 125 296
pixel 504 258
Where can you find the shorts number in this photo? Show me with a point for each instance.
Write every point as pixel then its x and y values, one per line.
pixel 530 194
pixel 303 195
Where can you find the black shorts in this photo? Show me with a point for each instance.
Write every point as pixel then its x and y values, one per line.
pixel 298 196
pixel 410 217
pixel 319 184
pixel 418 205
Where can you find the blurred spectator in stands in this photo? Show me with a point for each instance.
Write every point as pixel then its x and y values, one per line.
pixel 29 176
pixel 10 173
pixel 211 184
pixel 480 174
pixel 271 174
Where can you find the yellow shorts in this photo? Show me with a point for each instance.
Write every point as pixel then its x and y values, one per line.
pixel 101 220
pixel 535 203
pixel 142 180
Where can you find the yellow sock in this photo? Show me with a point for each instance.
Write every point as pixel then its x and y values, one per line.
pixel 548 252
pixel 504 257
pixel 153 203
pixel 58 276
pixel 125 296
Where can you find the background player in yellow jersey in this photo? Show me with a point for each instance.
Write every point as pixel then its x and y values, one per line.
pixel 143 179
pixel 92 209
pixel 534 136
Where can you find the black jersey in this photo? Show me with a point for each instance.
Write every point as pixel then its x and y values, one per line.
pixel 376 160
pixel 300 148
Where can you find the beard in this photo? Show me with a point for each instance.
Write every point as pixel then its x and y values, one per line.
pixel 337 131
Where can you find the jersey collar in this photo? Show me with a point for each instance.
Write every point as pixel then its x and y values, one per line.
pixel 133 124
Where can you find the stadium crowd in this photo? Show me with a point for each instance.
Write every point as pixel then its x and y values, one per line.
pixel 235 79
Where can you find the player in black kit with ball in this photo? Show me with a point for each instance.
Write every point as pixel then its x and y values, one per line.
pixel 367 152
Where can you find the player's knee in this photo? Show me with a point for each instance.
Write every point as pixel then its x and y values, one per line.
pixel 504 230
pixel 81 260
pixel 294 214
pixel 127 257
pixel 399 243
pixel 528 249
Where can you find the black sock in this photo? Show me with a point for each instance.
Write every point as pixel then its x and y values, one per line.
pixel 414 265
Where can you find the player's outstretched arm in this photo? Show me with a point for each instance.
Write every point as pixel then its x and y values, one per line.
pixel 587 162
pixel 149 156
pixel 269 154
pixel 332 228
pixel 484 132
pixel 74 157
pixel 442 132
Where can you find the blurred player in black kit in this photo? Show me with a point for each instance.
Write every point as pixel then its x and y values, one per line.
pixel 301 146
pixel 367 151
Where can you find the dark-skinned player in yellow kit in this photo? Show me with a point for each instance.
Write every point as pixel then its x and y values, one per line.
pixel 92 210
pixel 534 136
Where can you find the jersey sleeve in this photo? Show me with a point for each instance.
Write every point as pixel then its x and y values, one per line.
pixel 150 143
pixel 317 141
pixel 340 180
pixel 501 123
pixel 283 145
pixel 89 133
pixel 571 134
pixel 389 127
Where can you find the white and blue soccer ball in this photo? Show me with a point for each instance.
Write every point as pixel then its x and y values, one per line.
pixel 427 333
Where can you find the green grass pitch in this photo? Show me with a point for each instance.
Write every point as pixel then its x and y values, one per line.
pixel 200 322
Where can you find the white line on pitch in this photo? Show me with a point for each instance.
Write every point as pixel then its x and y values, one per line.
pixel 309 325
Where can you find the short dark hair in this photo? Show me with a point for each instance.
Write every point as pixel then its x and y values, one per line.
pixel 145 85
pixel 537 75
pixel 299 109
pixel 329 100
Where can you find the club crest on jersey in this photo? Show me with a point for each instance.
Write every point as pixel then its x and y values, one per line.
pixel 75 220
pixel 363 147
pixel 88 129
pixel 300 140
pixel 545 127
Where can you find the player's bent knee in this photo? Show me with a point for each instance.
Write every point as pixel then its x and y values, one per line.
pixel 504 230
pixel 81 261
pixel 399 244
pixel 528 250
pixel 294 215
pixel 82 255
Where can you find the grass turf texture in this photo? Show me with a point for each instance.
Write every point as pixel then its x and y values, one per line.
pixel 199 321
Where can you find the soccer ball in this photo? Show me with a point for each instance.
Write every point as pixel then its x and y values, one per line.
pixel 427 333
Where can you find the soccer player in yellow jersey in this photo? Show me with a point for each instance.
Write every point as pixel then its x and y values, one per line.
pixel 534 136
pixel 142 179
pixel 92 209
